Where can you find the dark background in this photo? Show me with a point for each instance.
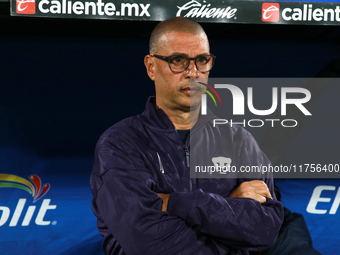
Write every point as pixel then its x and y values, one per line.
pixel 63 81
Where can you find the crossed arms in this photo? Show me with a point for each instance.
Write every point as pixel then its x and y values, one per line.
pixel 130 216
pixel 256 189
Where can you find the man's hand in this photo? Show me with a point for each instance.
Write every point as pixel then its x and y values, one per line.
pixel 165 198
pixel 257 190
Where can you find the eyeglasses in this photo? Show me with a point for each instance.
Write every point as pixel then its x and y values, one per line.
pixel 179 63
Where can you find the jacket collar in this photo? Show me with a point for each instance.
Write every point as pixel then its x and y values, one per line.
pixel 157 119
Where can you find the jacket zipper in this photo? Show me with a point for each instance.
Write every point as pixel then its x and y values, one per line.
pixel 187 158
pixel 187 155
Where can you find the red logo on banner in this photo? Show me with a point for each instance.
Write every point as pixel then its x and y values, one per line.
pixel 270 12
pixel 26 6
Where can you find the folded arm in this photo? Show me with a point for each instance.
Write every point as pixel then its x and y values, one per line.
pixel 239 222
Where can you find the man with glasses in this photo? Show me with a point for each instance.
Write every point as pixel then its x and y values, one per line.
pixel 144 198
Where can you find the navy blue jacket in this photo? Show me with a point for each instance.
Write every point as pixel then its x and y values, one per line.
pixel 143 155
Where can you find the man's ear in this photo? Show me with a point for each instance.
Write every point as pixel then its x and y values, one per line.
pixel 150 66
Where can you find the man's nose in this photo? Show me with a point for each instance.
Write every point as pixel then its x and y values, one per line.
pixel 192 69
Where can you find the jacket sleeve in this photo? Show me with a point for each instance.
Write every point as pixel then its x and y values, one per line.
pixel 241 223
pixel 129 211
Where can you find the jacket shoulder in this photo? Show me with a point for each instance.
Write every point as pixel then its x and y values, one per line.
pixel 117 141
pixel 122 129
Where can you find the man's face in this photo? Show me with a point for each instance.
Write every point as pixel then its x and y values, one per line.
pixel 173 89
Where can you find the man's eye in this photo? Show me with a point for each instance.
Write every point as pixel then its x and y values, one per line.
pixel 177 60
pixel 203 60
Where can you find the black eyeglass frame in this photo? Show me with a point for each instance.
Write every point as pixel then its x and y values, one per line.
pixel 167 58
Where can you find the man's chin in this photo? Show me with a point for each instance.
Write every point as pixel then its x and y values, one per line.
pixel 195 101
pixel 188 107
pixel 191 103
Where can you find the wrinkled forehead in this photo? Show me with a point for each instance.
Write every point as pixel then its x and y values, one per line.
pixel 183 42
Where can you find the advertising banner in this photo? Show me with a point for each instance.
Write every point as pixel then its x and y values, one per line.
pixel 251 12
pixel 45 205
